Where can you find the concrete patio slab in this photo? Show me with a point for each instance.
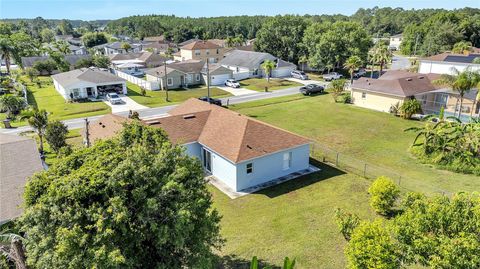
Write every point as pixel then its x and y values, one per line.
pixel 237 91
pixel 236 194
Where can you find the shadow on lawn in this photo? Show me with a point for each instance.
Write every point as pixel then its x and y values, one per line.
pixel 235 262
pixel 326 172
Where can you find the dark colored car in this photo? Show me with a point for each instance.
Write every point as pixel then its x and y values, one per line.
pixel 214 101
pixel 311 89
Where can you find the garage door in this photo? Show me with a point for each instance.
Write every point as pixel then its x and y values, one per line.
pixel 219 79
pixel 282 72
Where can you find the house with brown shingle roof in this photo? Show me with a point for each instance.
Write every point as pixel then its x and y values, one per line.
pixel 200 50
pixel 444 62
pixel 239 151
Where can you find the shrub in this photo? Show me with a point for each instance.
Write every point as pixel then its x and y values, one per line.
pixel 346 222
pixel 409 107
pixel 383 194
pixel 45 67
pixel 12 105
pixel 56 134
pixel 344 98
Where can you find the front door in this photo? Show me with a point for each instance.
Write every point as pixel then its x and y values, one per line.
pixel 89 91
pixel 207 160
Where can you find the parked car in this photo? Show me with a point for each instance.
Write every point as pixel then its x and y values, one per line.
pixel 311 89
pixel 232 83
pixel 113 98
pixel 213 101
pixel 359 73
pixel 299 74
pixel 332 76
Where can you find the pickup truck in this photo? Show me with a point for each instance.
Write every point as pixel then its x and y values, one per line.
pixel 332 76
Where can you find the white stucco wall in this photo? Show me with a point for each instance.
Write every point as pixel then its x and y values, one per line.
pixel 375 101
pixel 443 67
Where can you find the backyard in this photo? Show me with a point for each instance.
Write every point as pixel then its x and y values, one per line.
pixel 259 84
pixel 157 98
pixel 46 97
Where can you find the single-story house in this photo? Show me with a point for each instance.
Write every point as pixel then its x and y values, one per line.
pixel 88 83
pixel 237 150
pixel 187 73
pixel 391 89
pixel 70 39
pixel 145 58
pixel 19 160
pixel 70 59
pixel 74 49
pixel 247 64
pixel 442 63
pixel 117 47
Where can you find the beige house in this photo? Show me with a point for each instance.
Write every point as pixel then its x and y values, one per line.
pixel 391 89
pixel 200 50
pixel 395 42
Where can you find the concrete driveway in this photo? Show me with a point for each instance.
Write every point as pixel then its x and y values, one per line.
pixel 236 91
pixel 128 104
pixel 308 81
pixel 400 63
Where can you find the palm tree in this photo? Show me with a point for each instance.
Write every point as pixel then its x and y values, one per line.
pixel 126 46
pixel 15 252
pixel 268 66
pixel 7 50
pixel 372 59
pixel 39 121
pixel 461 82
pixel 353 63
pixel 462 47
pixel 381 55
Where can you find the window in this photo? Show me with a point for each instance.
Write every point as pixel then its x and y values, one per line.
pixel 207 52
pixel 218 51
pixel 197 77
pixel 364 95
pixel 237 69
pixel 170 81
pixel 249 168
pixel 76 93
pixel 287 160
pixel 197 52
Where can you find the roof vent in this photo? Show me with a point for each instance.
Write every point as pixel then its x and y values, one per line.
pixel 409 79
pixel 369 83
pixel 421 77
pixel 248 146
pixel 189 116
pixel 152 122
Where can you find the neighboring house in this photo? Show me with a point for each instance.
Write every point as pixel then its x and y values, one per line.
pixel 160 38
pixel 70 59
pixel 442 63
pixel 19 160
pixel 158 44
pixel 145 58
pixel 238 151
pixel 116 47
pixel 76 41
pixel 247 64
pixel 432 102
pixel 75 50
pixel 87 83
pixel 391 89
pixel 395 42
pixel 188 73
pixel 200 50
pixel 184 43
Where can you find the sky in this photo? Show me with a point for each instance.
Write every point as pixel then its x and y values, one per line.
pixel 114 9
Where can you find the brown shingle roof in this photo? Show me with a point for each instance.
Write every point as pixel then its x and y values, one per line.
pixel 19 159
pixel 230 134
pixel 398 83
pixel 196 45
pixel 105 127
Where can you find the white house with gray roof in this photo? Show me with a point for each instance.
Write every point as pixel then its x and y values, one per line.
pixel 248 64
pixel 88 83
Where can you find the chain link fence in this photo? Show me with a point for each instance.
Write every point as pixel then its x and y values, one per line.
pixel 365 169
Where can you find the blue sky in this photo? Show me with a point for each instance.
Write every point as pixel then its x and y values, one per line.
pixel 112 9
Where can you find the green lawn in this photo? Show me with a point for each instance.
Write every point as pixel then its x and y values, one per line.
pixel 293 219
pixel 359 134
pixel 46 97
pixel 157 98
pixel 259 84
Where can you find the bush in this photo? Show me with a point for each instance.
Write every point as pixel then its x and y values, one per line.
pixel 346 222
pixel 345 98
pixel 12 105
pixel 56 135
pixel 45 67
pixel 409 107
pixel 383 194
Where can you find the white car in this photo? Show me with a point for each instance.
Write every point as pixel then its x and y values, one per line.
pixel 332 76
pixel 232 83
pixel 299 74
pixel 113 98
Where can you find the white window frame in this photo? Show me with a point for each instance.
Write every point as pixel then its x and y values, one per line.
pixel 249 168
pixel 364 95
pixel 197 52
pixel 76 93
pixel 197 77
pixel 170 81
pixel 287 160
pixel 207 52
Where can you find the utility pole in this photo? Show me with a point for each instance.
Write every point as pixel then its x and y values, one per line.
pixel 87 133
pixel 208 81
pixel 415 50
pixel 166 81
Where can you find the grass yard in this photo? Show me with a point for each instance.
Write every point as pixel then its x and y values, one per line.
pixel 157 98
pixel 293 219
pixel 46 97
pixel 259 84
pixel 375 137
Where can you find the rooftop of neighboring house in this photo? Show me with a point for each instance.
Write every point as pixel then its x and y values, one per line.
pixel 154 38
pixel 144 56
pixel 188 42
pixel 455 57
pixel 247 59
pixel 397 36
pixel 91 74
pixel 219 42
pixel 105 127
pixel 71 59
pixel 199 45
pixel 398 83
pixel 234 136
pixel 189 66
pixel 156 45
pixel 15 150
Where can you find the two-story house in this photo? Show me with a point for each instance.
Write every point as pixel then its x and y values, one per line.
pixel 200 50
